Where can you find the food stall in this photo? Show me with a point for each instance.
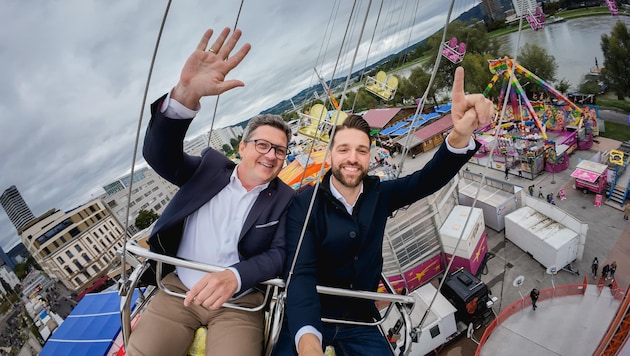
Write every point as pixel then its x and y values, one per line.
pixel 590 176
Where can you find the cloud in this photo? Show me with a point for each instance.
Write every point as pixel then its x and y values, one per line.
pixel 74 74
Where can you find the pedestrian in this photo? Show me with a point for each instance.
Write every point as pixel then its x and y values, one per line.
pixel 533 295
pixel 613 268
pixel 605 271
pixel 531 190
pixel 520 173
pixel 540 193
pixel 626 212
pixel 507 172
pixel 594 267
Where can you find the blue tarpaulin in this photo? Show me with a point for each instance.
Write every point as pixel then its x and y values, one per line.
pixel 90 329
pixel 393 128
pixel 443 109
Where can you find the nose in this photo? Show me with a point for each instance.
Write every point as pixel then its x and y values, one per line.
pixel 271 153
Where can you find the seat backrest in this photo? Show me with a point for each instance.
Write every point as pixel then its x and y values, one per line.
pixel 381 76
pixel 453 42
pixel 392 82
pixel 462 48
pixel 318 112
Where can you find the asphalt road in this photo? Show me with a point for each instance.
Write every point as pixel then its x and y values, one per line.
pixel 614 116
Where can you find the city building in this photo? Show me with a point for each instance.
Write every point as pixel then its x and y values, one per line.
pixel 224 135
pixel 492 9
pixel 76 247
pixel 149 192
pixel 15 207
pixel 196 145
pixel 9 278
pixel 524 5
pixel 10 262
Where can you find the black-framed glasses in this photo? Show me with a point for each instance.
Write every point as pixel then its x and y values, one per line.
pixel 264 146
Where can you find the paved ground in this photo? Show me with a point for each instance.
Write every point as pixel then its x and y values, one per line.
pixel 607 238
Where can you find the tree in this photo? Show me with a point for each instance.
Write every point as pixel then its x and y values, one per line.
pixel 227 149
pixel 563 86
pixel 616 49
pixel 538 61
pixel 145 218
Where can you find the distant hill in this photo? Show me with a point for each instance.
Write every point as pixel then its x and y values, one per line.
pixel 471 15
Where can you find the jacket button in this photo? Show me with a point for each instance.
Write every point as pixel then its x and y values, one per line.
pixel 353 234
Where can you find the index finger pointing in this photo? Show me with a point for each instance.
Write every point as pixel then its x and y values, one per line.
pixel 458 94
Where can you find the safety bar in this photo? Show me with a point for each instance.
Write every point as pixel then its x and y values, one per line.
pixel 403 302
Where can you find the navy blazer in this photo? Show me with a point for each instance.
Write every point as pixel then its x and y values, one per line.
pixel 345 251
pixel 262 240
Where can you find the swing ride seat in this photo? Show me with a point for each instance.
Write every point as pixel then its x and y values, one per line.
pixel 382 85
pixel 272 305
pixel 318 116
pixel 612 6
pixel 536 19
pixel 454 51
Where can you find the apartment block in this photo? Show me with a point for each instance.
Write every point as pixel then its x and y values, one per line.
pixel 77 246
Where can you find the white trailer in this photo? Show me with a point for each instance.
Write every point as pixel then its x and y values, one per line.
pixel 548 241
pixel 494 202
pixel 473 245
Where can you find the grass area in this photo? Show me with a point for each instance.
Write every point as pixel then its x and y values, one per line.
pixel 569 14
pixel 623 105
pixel 615 131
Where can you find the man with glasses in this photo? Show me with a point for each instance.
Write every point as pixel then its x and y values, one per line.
pixel 224 214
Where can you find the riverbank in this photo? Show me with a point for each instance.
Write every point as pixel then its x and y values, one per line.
pixel 567 15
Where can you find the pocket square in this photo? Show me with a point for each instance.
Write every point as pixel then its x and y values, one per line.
pixel 271 223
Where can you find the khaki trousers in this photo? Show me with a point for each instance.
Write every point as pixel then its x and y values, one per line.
pixel 167 327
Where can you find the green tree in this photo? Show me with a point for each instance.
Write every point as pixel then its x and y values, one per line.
pixel 234 142
pixel 588 87
pixel 145 218
pixel 478 75
pixel 227 149
pixel 616 49
pixel 536 59
pixel 563 86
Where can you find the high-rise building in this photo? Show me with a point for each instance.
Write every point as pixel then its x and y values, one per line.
pixel 7 259
pixel 15 207
pixel 492 9
pixel 523 7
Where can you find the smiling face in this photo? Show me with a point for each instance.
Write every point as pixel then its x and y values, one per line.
pixel 349 158
pixel 257 168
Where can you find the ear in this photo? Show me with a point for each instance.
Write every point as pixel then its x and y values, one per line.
pixel 241 147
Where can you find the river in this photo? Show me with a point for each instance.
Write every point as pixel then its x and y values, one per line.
pixel 574 44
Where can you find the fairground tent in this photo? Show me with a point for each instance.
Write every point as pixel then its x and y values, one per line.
pixel 90 329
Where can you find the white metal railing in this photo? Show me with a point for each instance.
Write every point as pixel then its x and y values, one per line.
pixel 404 303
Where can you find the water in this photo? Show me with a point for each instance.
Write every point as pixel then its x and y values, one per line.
pixel 574 44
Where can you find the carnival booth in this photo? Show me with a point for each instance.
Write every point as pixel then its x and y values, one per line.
pixel 473 246
pixel 495 203
pixel 548 241
pixel 590 176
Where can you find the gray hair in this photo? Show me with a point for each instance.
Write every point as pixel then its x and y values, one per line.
pixel 275 121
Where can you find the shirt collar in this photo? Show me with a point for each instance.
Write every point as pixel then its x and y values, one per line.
pixel 234 179
pixel 340 197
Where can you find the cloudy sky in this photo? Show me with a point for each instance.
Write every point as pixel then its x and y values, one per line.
pixel 73 76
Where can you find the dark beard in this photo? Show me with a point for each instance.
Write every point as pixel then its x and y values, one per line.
pixel 336 172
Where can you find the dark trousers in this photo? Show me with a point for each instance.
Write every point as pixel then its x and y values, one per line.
pixel 348 340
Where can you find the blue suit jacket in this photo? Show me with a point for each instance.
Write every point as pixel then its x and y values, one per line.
pixel 262 241
pixel 345 251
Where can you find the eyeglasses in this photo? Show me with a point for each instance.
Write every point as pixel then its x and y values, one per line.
pixel 264 146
